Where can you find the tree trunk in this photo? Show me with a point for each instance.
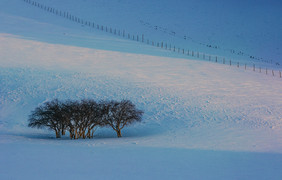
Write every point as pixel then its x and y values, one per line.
pixel 88 134
pixel 71 131
pixel 58 135
pixel 76 135
pixel 118 133
pixel 71 135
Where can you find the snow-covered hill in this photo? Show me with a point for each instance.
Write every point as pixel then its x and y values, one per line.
pixel 245 32
pixel 202 120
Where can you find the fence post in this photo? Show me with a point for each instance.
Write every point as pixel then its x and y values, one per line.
pixel 223 60
pixel 272 73
pixel 198 55
pixel 259 69
pixel 216 59
pixel 265 70
pixel 280 74
pixel 254 67
pixel 230 62
pixel 245 66
pixel 237 64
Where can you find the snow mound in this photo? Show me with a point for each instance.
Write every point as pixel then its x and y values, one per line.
pixel 186 102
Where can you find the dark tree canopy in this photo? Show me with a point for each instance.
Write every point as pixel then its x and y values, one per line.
pixel 49 115
pixel 120 114
pixel 81 118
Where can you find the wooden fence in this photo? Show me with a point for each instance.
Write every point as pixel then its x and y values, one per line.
pixel 163 45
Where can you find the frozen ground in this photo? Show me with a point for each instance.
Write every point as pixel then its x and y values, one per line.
pixel 48 161
pixel 217 110
pixel 202 120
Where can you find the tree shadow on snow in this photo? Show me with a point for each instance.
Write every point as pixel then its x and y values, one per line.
pixel 101 133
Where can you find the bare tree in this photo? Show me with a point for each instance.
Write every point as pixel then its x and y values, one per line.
pixel 84 117
pixel 69 111
pixel 89 117
pixel 92 115
pixel 120 114
pixel 81 118
pixel 49 115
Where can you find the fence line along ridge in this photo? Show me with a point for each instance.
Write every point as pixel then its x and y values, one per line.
pixel 163 45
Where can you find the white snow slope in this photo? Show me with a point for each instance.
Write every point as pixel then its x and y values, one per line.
pixel 202 120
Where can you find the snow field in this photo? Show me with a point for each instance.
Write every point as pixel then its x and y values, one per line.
pixel 230 29
pixel 46 161
pixel 202 120
pixel 180 97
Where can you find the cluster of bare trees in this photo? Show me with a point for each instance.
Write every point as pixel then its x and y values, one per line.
pixel 81 118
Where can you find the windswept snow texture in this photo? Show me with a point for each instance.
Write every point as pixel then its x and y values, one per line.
pixel 202 120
